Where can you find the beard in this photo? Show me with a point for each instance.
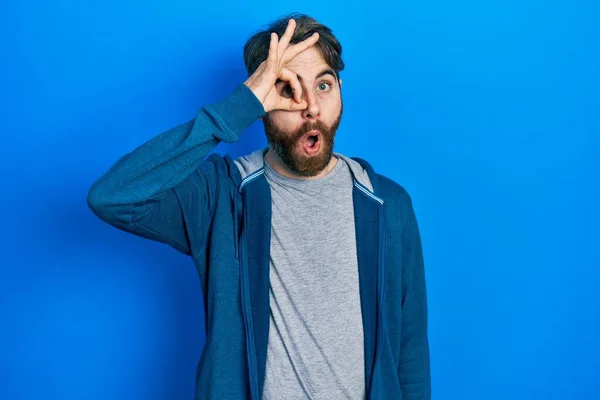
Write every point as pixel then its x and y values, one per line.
pixel 287 145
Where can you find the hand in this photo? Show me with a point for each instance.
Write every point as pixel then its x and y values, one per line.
pixel 262 81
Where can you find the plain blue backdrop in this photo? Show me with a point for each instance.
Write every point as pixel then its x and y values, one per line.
pixel 487 112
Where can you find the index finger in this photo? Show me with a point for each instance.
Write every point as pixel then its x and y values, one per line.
pixel 298 48
pixel 287 35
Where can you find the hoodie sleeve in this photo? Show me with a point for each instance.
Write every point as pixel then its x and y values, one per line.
pixel 414 367
pixel 155 190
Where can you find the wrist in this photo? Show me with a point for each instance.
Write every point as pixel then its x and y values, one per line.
pixel 256 89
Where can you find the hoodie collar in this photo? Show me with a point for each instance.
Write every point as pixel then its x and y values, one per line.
pixel 245 169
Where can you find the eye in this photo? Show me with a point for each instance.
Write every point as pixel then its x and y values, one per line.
pixel 287 91
pixel 324 86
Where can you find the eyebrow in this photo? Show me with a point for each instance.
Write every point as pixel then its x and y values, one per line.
pixel 328 71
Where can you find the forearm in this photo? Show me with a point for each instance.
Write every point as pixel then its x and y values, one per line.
pixel 148 172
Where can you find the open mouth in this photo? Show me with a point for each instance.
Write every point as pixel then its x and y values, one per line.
pixel 312 142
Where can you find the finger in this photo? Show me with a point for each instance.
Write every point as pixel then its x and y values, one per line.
pixel 288 104
pixel 273 50
pixel 292 79
pixel 291 105
pixel 298 48
pixel 287 36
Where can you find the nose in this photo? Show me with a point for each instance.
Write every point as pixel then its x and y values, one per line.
pixel 312 110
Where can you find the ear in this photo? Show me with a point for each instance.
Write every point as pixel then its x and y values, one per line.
pixel 340 83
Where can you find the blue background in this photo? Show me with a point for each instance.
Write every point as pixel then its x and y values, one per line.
pixel 488 112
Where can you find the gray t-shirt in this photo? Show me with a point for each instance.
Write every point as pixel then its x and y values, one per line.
pixel 315 348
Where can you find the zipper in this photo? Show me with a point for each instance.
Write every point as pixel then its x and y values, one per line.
pixel 236 237
pixel 380 287
pixel 246 311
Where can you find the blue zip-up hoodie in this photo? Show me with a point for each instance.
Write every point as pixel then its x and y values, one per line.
pixel 218 211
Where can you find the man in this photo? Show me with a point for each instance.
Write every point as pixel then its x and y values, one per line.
pixel 310 262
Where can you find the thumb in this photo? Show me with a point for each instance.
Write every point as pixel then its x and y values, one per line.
pixel 291 105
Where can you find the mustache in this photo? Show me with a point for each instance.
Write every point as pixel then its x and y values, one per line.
pixel 310 126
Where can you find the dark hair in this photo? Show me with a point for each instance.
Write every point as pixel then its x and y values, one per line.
pixel 256 48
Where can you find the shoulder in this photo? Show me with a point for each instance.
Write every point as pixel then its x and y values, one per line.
pixel 401 216
pixel 393 192
pixel 389 190
pixel 396 199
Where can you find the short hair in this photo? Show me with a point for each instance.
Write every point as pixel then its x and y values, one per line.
pixel 256 49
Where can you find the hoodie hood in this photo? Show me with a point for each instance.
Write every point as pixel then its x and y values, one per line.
pixel 245 169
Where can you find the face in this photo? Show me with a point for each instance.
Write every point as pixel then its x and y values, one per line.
pixel 303 140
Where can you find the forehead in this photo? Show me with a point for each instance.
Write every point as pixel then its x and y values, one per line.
pixel 308 63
